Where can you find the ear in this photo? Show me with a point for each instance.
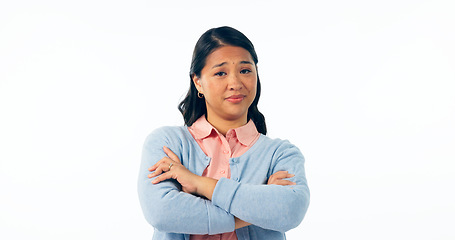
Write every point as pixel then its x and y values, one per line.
pixel 197 83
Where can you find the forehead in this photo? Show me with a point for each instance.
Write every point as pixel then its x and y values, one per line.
pixel 228 53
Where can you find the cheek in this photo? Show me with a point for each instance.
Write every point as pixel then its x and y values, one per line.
pixel 212 89
pixel 251 85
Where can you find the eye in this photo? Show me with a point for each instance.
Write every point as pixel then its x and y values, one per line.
pixel 220 74
pixel 245 71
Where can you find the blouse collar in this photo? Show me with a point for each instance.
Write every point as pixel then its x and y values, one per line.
pixel 246 134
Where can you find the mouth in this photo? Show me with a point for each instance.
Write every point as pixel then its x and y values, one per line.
pixel 235 98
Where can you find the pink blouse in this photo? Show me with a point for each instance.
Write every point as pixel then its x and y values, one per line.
pixel 221 149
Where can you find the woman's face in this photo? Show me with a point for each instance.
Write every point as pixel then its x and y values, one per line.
pixel 228 82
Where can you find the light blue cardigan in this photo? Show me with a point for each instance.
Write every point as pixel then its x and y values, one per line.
pixel 271 209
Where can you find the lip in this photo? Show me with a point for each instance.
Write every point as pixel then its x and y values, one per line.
pixel 235 98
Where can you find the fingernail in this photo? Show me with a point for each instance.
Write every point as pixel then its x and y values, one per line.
pixel 150 175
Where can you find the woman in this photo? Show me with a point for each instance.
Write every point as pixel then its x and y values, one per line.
pixel 220 177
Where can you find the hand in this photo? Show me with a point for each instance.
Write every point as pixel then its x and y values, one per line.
pixel 277 178
pixel 171 167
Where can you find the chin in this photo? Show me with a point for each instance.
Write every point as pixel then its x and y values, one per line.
pixel 235 116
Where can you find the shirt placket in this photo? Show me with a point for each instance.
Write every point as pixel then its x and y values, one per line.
pixel 227 154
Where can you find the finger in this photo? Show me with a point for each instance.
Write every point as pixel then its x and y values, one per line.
pixel 162 168
pixel 162 177
pixel 280 174
pixel 158 168
pixel 276 176
pixel 157 172
pixel 157 164
pixel 152 168
pixel 171 154
pixel 283 182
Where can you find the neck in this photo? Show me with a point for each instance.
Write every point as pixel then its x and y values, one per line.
pixel 223 125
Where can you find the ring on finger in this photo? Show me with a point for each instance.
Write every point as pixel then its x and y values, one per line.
pixel 170 165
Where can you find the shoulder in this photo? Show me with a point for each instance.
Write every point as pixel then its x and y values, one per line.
pixel 169 134
pixel 169 131
pixel 278 147
pixel 284 156
pixel 276 144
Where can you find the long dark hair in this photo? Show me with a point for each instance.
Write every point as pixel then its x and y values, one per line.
pixel 192 107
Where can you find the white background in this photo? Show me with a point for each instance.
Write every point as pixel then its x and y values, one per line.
pixel 366 89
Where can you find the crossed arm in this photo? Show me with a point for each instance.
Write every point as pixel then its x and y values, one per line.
pixel 170 167
pixel 180 202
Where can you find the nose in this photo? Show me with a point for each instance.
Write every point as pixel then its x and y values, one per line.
pixel 235 83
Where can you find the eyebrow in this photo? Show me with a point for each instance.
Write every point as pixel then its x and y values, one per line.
pixel 221 64
pixel 246 62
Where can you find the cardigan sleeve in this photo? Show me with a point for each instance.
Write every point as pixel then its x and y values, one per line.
pixel 166 207
pixel 273 207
